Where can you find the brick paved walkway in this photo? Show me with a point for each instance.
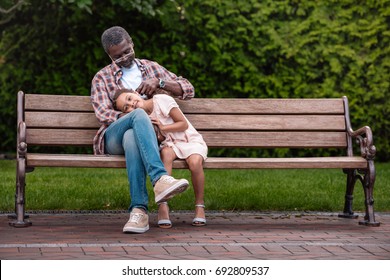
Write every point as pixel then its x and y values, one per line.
pixel 274 236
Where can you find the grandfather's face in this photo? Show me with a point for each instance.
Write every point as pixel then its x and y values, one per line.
pixel 122 54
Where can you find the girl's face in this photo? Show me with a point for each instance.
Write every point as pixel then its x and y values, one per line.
pixel 129 101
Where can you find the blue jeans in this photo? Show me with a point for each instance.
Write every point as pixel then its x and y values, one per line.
pixel 133 135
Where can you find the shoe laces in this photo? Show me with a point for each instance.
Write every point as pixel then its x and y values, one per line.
pixel 167 179
pixel 135 217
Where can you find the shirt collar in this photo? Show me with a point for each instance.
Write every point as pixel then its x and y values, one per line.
pixel 117 70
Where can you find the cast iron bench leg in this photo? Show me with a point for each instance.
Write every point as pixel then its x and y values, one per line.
pixel 351 181
pixel 19 195
pixel 368 186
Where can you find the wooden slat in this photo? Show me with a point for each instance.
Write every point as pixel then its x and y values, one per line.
pixel 275 139
pixel 201 105
pixel 60 137
pixel 75 137
pixel 73 160
pixel 286 163
pixel 36 160
pixel 61 120
pixel 262 106
pixel 201 121
pixel 267 122
pixel 45 102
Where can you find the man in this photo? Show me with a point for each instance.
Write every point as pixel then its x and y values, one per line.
pixel 132 134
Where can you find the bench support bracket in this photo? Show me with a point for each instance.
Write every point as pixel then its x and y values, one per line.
pixel 367 178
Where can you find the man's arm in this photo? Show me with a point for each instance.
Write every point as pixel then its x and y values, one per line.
pixel 175 85
pixel 150 86
pixel 101 103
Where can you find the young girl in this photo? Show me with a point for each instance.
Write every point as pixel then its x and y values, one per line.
pixel 181 141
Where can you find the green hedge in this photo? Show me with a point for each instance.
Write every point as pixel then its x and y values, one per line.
pixel 227 48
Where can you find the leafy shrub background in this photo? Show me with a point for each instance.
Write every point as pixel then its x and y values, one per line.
pixel 227 48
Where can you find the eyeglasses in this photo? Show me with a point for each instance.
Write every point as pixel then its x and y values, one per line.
pixel 123 58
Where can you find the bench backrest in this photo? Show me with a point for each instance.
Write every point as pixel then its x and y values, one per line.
pixel 263 123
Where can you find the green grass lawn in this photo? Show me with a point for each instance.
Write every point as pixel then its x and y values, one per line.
pixel 261 190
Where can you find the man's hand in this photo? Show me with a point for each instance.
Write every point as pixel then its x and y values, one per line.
pixel 148 87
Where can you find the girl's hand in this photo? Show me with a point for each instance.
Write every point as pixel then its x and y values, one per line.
pixel 156 122
pixel 156 125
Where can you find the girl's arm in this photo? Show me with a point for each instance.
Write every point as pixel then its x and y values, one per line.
pixel 180 122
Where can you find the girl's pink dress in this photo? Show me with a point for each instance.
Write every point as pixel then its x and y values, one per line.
pixel 184 143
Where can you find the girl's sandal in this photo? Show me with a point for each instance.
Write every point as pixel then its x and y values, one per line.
pixel 164 223
pixel 199 222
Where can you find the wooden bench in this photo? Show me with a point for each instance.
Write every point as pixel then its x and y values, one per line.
pixel 62 120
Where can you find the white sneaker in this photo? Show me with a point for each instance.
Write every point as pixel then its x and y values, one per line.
pixel 167 187
pixel 138 222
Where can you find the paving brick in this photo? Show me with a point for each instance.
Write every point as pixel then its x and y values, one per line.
pixel 155 250
pixel 173 250
pixel 113 249
pixel 35 250
pixel 51 250
pixel 92 249
pixel 296 249
pixel 216 249
pixel 11 251
pixel 72 250
pixel 197 250
pixel 134 250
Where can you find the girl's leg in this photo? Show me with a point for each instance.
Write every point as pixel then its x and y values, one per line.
pixel 195 163
pixel 167 157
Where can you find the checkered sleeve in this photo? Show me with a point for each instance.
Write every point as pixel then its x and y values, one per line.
pixel 101 101
pixel 159 71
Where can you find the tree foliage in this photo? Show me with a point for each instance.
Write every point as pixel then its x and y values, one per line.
pixel 227 48
pixel 282 49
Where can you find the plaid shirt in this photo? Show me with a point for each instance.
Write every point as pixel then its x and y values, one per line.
pixel 108 80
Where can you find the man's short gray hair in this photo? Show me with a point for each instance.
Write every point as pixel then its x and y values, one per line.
pixel 114 36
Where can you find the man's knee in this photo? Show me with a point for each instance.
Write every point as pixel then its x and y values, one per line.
pixel 128 139
pixel 140 114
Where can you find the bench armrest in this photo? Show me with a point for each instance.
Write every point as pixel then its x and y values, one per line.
pixel 365 139
pixel 21 145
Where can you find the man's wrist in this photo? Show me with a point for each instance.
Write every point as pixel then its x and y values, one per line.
pixel 161 83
